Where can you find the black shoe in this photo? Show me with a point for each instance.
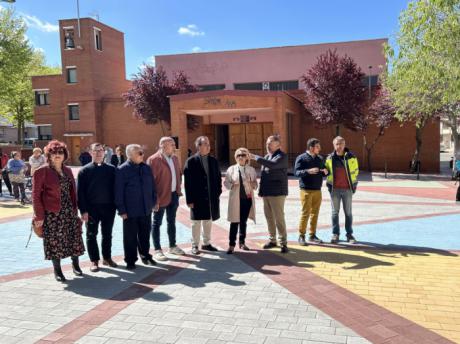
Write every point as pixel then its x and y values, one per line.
pixel 209 247
pixel 315 239
pixel 149 261
pixel 351 239
pixel 130 266
pixel 230 249
pixel 270 245
pixel 195 250
pixel 302 241
pixel 284 249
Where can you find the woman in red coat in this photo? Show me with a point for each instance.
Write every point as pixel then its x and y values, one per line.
pixel 55 208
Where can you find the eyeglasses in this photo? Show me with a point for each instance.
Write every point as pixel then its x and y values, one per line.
pixel 58 152
pixel 99 151
pixel 241 155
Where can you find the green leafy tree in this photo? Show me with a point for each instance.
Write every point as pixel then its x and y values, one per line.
pixel 18 63
pixel 424 81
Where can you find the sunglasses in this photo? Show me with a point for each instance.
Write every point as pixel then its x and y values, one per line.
pixel 58 152
pixel 241 155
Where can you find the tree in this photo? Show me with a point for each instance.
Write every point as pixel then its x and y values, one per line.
pixel 149 95
pixel 335 93
pixel 425 73
pixel 18 63
pixel 380 114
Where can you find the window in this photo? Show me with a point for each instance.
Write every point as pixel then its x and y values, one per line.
pixel 374 80
pixel 42 98
pixel 97 39
pixel 284 85
pixel 71 75
pixel 74 112
pixel 69 42
pixel 215 87
pixel 44 132
pixel 249 86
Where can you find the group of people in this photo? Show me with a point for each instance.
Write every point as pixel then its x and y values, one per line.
pixel 142 191
pixel 14 170
pixel 110 157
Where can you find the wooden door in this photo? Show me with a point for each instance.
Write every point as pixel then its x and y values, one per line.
pixel 209 130
pixel 251 135
pixel 237 139
pixel 75 150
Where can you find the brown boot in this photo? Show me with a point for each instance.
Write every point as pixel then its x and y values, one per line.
pixel 109 262
pixel 94 266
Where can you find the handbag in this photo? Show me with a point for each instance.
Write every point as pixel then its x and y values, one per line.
pixel 38 230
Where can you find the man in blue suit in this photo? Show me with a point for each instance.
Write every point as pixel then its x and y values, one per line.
pixel 135 199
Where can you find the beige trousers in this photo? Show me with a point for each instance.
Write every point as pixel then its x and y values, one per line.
pixel 274 213
pixel 196 231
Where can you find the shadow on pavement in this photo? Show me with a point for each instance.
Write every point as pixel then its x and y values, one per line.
pixel 304 258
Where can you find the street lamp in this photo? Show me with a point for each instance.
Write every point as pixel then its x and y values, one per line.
pixel 370 90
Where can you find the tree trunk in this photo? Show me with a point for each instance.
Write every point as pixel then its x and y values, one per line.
pixel 337 130
pixel 162 128
pixel 369 158
pixel 415 163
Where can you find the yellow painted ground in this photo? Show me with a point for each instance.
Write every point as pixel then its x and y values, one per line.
pixel 13 208
pixel 421 286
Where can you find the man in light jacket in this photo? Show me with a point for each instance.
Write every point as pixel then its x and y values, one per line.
pixel 167 175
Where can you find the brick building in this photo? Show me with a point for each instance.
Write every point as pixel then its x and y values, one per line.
pixel 245 96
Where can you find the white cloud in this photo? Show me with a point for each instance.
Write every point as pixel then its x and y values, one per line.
pixel 190 30
pixel 40 50
pixel 196 49
pixel 34 22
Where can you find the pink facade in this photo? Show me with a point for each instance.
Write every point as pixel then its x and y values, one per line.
pixel 269 64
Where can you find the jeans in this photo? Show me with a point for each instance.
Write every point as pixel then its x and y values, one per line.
pixel 245 208
pixel 105 215
pixel 344 195
pixel 171 210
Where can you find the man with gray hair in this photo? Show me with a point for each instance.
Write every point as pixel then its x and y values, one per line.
pixel 274 190
pixel 167 175
pixel 135 199
pixel 203 187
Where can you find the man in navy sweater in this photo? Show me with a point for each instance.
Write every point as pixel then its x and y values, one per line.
pixel 309 168
pixel 95 184
pixel 135 199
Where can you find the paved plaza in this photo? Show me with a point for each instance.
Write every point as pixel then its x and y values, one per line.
pixel 399 284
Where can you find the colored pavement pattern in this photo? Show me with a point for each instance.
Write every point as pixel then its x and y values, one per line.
pixel 399 284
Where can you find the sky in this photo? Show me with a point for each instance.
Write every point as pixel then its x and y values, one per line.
pixel 159 27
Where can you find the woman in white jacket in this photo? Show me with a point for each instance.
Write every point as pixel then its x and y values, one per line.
pixel 241 180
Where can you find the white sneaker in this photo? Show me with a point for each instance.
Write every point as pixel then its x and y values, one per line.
pixel 159 255
pixel 176 250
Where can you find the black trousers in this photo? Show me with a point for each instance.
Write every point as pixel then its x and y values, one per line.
pixel 103 214
pixel 6 179
pixel 458 192
pixel 136 237
pixel 245 208
pixel 19 188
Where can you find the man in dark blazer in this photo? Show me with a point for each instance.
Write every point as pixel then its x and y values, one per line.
pixel 274 190
pixel 95 200
pixel 203 187
pixel 135 199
